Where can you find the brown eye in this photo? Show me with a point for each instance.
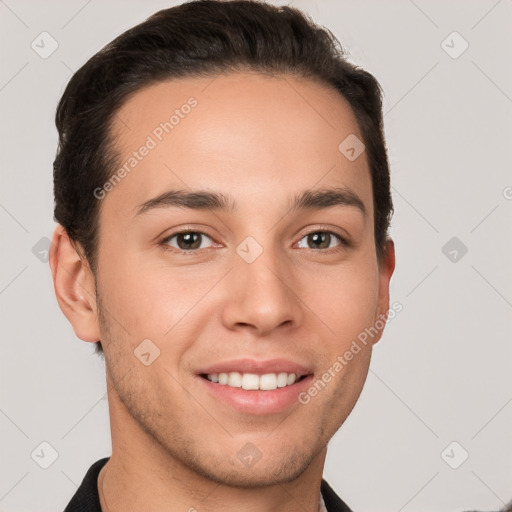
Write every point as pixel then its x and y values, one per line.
pixel 188 241
pixel 320 240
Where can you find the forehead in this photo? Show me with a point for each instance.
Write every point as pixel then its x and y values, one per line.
pixel 247 133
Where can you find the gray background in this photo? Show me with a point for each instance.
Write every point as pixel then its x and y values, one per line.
pixel 442 370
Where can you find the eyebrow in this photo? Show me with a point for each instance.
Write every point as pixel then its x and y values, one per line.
pixel 206 200
pixel 197 200
pixel 325 198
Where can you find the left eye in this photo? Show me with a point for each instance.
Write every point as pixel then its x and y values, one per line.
pixel 320 240
pixel 188 241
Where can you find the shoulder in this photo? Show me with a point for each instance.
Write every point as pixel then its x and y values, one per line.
pixel 86 498
pixel 332 501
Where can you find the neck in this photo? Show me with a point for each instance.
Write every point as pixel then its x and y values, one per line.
pixel 142 475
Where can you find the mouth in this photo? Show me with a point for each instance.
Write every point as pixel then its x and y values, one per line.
pixel 253 381
pixel 256 387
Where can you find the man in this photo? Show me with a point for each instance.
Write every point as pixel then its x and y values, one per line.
pixel 223 199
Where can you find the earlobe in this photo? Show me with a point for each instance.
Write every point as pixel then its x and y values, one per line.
pixel 74 286
pixel 386 269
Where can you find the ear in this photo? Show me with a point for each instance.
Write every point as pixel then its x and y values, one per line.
pixel 74 286
pixel 386 269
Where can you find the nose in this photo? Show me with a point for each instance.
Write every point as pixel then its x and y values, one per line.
pixel 262 296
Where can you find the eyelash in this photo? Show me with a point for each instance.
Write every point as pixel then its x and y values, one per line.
pixel 166 240
pixel 343 243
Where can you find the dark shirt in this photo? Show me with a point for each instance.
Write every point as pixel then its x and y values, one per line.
pixel 86 498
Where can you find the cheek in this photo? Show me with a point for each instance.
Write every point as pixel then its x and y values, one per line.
pixel 149 299
pixel 134 295
pixel 345 300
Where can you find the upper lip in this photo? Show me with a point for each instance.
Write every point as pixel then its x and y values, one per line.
pixel 257 367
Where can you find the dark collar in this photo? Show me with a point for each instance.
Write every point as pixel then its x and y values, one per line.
pixel 86 498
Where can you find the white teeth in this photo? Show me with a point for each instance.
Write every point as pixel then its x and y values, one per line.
pixel 291 379
pixel 252 381
pixel 282 380
pixel 268 381
pixel 235 380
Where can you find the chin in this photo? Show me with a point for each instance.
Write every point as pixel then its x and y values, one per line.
pixel 263 472
pixel 254 478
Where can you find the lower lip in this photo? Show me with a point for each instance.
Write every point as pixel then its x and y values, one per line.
pixel 257 401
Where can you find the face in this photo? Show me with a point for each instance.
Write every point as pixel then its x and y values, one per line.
pixel 276 273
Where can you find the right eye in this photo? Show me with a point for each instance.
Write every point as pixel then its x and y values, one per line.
pixel 187 241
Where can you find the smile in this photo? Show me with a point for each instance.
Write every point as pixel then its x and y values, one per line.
pixel 253 381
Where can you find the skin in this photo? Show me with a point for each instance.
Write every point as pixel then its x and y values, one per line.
pixel 260 141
